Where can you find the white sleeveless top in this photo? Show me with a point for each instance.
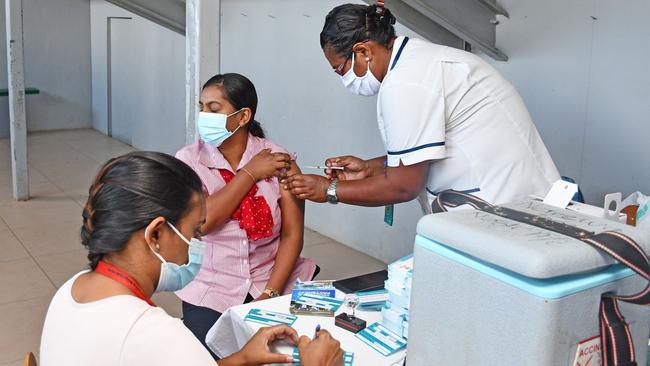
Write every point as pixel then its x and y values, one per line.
pixel 119 330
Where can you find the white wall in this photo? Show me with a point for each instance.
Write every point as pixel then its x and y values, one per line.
pixel 304 107
pixel 155 95
pixel 582 68
pixel 57 61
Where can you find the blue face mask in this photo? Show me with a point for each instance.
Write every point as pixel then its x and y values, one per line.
pixel 212 127
pixel 174 277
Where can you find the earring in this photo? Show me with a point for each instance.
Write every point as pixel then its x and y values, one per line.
pixel 368 59
pixel 157 247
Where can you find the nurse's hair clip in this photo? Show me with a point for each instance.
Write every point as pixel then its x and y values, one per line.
pixel 381 15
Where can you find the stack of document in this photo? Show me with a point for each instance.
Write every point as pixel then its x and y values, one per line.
pixel 269 318
pixel 395 314
pixel 348 358
pixel 382 339
pixel 314 298
pixel 372 300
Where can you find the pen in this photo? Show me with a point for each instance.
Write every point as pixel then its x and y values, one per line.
pixel 317 330
pixel 325 167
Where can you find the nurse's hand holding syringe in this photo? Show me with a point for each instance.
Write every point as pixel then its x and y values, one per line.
pixel 346 168
pixel 324 167
pixel 314 187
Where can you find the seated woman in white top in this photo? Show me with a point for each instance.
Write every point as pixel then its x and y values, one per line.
pixel 141 210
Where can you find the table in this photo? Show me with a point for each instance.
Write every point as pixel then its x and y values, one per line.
pixel 231 332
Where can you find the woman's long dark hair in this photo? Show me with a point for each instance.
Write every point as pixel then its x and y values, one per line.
pixel 348 24
pixel 241 93
pixel 128 193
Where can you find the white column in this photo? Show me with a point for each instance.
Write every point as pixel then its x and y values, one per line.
pixel 202 44
pixel 16 80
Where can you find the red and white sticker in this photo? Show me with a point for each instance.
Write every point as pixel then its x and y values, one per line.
pixel 588 352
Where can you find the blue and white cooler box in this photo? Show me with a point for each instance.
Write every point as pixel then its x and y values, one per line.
pixel 491 291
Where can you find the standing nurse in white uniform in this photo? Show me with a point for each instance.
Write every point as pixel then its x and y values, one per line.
pixel 447 118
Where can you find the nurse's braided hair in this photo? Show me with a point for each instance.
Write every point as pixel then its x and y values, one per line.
pixel 240 92
pixel 128 193
pixel 348 24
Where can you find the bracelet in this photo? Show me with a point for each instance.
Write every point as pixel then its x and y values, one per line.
pixel 271 292
pixel 250 174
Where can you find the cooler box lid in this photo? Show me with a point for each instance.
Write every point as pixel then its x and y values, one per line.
pixel 521 248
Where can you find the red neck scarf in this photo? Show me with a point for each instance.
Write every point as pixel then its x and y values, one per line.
pixel 253 213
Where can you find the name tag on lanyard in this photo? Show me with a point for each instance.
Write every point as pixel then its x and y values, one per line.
pixel 388 209
pixel 388 214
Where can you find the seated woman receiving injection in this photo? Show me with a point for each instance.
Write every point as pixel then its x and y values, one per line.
pixel 253 229
pixel 141 227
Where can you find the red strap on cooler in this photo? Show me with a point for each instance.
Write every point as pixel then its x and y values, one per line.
pixel 122 277
pixel 617 347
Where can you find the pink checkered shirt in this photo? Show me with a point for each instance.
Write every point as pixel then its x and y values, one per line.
pixel 233 266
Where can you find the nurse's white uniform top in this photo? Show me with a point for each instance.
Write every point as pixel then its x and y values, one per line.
pixel 452 108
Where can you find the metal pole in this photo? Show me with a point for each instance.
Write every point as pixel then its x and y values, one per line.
pixel 202 44
pixel 109 75
pixel 16 79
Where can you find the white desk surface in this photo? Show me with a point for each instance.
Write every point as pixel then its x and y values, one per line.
pixel 231 332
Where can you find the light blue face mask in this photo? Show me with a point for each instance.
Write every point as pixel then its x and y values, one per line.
pixel 174 277
pixel 212 127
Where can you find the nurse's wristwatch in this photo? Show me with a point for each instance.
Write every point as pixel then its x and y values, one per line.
pixel 271 292
pixel 331 192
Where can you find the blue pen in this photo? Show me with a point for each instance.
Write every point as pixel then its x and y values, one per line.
pixel 317 330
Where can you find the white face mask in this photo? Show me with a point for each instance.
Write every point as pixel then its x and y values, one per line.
pixel 366 85
pixel 174 277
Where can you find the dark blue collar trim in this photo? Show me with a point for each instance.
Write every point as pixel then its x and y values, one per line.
pixel 399 52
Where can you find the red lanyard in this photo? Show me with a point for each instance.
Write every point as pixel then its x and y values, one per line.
pixel 122 277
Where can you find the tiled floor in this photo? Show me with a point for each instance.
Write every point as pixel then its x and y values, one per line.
pixel 39 243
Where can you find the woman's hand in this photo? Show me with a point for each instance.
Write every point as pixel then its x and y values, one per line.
pixel 322 351
pixel 355 168
pixel 267 164
pixel 307 186
pixel 256 350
